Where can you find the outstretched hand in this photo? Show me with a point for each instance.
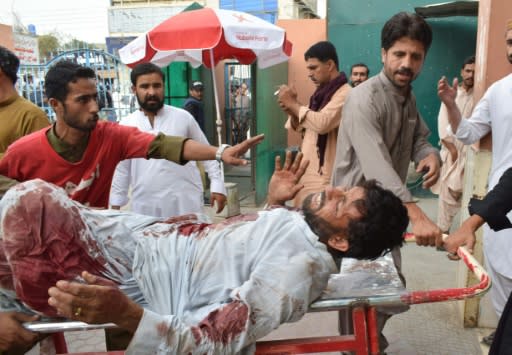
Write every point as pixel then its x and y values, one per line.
pixel 232 154
pixel 284 183
pixel 98 301
pixel 464 235
pixel 447 93
pixel 432 168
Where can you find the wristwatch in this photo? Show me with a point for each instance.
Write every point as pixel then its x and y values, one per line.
pixel 218 154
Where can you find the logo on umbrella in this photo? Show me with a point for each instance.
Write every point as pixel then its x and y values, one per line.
pixel 241 18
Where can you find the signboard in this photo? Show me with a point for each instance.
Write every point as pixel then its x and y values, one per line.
pixel 26 48
pixel 137 20
pixel 116 43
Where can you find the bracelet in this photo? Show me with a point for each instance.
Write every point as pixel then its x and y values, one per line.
pixel 218 154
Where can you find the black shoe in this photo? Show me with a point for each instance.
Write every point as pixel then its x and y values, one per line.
pixel 487 340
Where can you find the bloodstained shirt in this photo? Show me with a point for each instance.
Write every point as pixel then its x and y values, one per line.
pixel 206 288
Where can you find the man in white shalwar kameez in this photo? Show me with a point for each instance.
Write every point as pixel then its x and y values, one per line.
pixel 493 113
pixel 182 285
pixel 158 188
pixel 453 152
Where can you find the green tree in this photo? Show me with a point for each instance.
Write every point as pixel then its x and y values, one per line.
pixel 48 44
pixel 76 44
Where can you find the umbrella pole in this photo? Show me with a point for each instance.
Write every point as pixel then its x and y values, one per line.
pixel 218 120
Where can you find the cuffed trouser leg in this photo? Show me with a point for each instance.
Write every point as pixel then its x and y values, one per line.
pixel 448 205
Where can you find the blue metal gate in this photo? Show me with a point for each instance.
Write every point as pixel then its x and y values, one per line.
pixel 114 87
pixel 239 113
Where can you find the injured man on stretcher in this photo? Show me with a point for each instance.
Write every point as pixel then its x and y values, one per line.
pixel 184 285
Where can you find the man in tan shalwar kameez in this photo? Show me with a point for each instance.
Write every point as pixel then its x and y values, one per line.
pixel 319 121
pixel 453 152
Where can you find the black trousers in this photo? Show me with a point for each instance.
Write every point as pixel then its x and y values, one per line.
pixel 117 339
pixel 502 343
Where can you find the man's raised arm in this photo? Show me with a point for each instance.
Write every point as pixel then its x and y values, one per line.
pixel 447 94
pixel 284 183
pixel 181 150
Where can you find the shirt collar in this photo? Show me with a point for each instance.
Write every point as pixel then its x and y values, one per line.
pixel 468 92
pixel 10 100
pixel 399 93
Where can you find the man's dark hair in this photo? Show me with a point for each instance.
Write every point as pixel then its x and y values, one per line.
pixel 360 65
pixel 468 60
pixel 323 51
pixel 9 64
pixel 143 69
pixel 405 24
pixel 60 75
pixel 382 226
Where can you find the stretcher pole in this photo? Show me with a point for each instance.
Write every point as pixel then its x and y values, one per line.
pixel 452 294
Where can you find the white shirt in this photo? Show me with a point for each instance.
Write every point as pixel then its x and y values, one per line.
pixel 198 285
pixel 205 288
pixel 161 188
pixel 494 112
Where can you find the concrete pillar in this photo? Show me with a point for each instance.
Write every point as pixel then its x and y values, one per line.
pixel 491 65
pixel 475 312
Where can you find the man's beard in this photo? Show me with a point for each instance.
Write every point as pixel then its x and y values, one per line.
pixel 151 107
pixel 404 71
pixel 75 123
pixel 320 226
pixel 469 83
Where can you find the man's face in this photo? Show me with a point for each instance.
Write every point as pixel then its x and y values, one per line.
pixel 80 108
pixel 403 61
pixel 149 90
pixel 468 76
pixel 243 89
pixel 196 93
pixel 318 72
pixel 509 45
pixel 358 75
pixel 330 212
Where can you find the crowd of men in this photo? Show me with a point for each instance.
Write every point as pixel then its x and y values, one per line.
pixel 180 284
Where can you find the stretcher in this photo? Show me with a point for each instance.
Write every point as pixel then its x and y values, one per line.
pixel 370 284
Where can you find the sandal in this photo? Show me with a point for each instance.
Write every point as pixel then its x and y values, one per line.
pixel 487 340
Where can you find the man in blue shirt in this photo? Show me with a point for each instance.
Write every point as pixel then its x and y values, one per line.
pixel 194 103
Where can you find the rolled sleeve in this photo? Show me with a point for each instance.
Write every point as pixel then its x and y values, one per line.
pixel 495 206
pixel 146 339
pixel 168 147
pixel 495 220
pixel 328 118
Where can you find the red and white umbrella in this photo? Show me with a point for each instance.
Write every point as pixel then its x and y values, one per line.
pixel 207 36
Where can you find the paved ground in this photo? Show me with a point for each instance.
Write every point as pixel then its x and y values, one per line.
pixel 426 329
